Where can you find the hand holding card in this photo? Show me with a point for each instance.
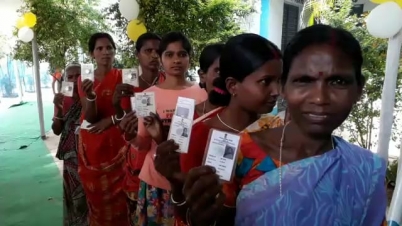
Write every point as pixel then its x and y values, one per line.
pixel 67 89
pixel 130 76
pixel 221 153
pixel 145 104
pixel 167 160
pixel 87 72
pixel 182 123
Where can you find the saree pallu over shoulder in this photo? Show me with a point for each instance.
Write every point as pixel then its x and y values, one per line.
pixel 343 187
pixel 101 161
pixel 103 186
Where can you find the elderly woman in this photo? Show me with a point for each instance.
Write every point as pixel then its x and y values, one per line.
pixel 66 124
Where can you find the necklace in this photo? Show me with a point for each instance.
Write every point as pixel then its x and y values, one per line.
pixel 280 156
pixel 219 118
pixel 149 84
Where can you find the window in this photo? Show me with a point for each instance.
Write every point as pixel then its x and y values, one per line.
pixel 357 9
pixel 290 23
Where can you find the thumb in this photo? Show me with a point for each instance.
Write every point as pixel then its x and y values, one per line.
pixel 155 116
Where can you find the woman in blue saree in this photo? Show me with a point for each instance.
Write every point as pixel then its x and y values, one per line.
pixel 300 174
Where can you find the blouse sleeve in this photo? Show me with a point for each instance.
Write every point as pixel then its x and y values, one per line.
pixel 125 104
pixel 377 200
pixel 143 141
pixel 198 142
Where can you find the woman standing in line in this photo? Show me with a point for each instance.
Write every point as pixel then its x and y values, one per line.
pixel 209 64
pixel 146 47
pixel 154 206
pixel 105 101
pixel 66 123
pixel 250 65
pixel 301 174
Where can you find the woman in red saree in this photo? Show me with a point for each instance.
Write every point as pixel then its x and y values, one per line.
pixel 146 46
pixel 102 149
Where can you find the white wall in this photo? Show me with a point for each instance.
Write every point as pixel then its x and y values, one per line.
pixel 276 19
pixel 251 24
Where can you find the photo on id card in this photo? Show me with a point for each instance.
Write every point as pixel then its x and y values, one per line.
pixel 67 89
pixel 145 104
pixel 221 153
pixel 180 132
pixel 182 123
pixel 87 72
pixel 130 76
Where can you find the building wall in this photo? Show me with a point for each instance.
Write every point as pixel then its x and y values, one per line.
pixel 268 18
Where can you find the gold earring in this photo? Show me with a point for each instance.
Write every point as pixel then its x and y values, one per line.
pixel 233 94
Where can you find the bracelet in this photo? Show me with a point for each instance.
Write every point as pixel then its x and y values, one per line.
pixel 114 123
pixel 91 100
pixel 177 203
pixel 119 119
pixel 188 218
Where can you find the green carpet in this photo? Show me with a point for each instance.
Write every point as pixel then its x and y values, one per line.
pixel 30 182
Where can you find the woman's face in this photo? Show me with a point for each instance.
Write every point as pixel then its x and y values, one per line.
pixel 259 91
pixel 175 59
pixel 321 89
pixel 72 74
pixel 104 52
pixel 148 55
pixel 208 77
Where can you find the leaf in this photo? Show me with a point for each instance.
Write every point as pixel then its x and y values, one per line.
pixel 360 125
pixel 62 30
pixel 203 22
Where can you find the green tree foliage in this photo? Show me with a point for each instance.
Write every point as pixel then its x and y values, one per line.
pixel 202 21
pixel 62 30
pixel 361 122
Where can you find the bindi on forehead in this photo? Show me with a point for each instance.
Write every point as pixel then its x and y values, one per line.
pixel 320 63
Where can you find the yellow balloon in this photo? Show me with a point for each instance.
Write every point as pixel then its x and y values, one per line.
pixel 30 19
pixel 135 28
pixel 399 2
pixel 20 23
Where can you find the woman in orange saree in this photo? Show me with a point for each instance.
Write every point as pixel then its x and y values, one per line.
pixel 102 149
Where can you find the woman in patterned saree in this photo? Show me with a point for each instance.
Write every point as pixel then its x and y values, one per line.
pixel 250 66
pixel 66 123
pixel 300 174
pixel 102 149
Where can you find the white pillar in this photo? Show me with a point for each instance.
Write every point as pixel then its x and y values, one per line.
pixel 38 87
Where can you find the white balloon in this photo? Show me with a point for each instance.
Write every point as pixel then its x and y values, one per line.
pixel 129 9
pixel 25 34
pixel 385 20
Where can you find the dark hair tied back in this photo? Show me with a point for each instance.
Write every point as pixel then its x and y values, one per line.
pixel 241 56
pixel 219 95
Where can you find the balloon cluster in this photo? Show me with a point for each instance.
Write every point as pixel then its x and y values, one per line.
pixel 25 25
pixel 385 20
pixel 130 10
